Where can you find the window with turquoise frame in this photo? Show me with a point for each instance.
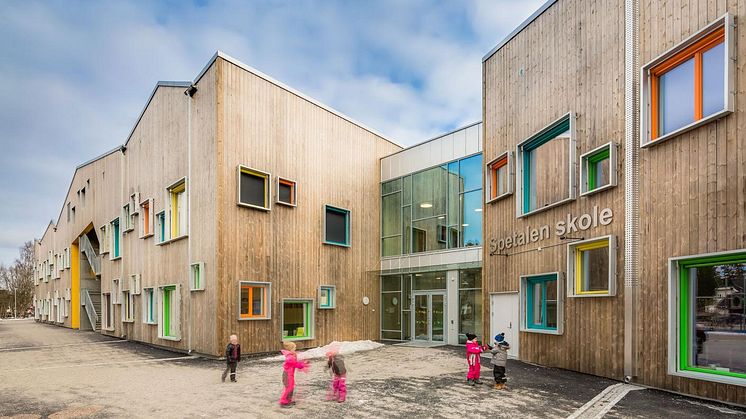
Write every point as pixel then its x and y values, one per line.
pixel 598 169
pixel 160 227
pixel 327 296
pixel 336 226
pixel 546 159
pixel 542 305
pixel 115 239
pixel 297 319
pixel 707 339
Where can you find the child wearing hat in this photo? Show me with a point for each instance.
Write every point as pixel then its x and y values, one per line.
pixel 473 351
pixel 499 360
pixel 336 365
pixel 288 373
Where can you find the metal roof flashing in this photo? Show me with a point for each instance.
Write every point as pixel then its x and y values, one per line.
pixel 518 30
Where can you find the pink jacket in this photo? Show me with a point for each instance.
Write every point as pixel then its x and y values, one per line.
pixel 292 363
pixel 472 353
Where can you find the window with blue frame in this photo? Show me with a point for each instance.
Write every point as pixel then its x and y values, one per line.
pixel 542 305
pixel 546 159
pixel 336 226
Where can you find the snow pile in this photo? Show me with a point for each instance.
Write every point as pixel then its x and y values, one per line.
pixel 343 348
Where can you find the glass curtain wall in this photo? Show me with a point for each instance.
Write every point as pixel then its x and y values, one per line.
pixel 434 209
pixel 470 304
pixel 396 301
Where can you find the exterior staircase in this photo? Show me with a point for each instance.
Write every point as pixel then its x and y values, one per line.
pixel 92 303
pixel 94 260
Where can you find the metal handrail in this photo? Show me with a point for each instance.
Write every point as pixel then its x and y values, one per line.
pixel 89 308
pixel 93 259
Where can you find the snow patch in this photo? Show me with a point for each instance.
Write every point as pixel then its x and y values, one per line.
pixel 344 348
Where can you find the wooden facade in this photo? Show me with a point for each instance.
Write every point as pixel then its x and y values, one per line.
pixel 233 115
pixel 570 57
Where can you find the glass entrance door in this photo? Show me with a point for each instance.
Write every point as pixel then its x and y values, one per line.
pixel 429 316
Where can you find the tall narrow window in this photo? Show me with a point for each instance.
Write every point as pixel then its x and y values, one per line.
pixel 108 314
pixel 105 239
pixel 196 276
pixel 707 308
pixel 169 322
pixel 254 301
pixel 336 226
pixel 149 306
pixel 286 193
pixel 542 305
pixel 128 309
pixel 160 226
pixel 115 291
pixel 546 175
pixel 126 218
pixel 500 177
pixel 177 209
pixel 253 188
pixel 297 319
pixel 690 84
pixel 115 236
pixel 146 219
pixel 598 169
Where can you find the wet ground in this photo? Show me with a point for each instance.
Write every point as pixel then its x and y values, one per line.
pixel 47 371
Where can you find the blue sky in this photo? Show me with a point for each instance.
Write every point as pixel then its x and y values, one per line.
pixel 75 74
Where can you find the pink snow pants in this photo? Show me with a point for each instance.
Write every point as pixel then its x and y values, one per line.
pixel 338 390
pixel 287 395
pixel 474 371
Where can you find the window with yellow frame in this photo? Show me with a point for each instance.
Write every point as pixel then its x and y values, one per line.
pixel 253 188
pixel 177 209
pixel 591 267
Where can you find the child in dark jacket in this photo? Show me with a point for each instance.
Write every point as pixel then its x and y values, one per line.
pixel 232 357
pixel 499 360
pixel 335 363
pixel 473 351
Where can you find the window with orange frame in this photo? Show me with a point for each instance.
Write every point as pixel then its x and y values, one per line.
pixel 254 300
pixel 499 177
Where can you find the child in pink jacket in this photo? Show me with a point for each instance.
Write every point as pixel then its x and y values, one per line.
pixel 288 373
pixel 473 351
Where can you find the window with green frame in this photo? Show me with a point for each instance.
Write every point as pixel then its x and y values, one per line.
pixel 710 312
pixel 336 226
pixel 169 325
pixel 542 305
pixel 546 159
pixel 297 319
pixel 598 169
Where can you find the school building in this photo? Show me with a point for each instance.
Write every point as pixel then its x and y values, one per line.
pixel 596 214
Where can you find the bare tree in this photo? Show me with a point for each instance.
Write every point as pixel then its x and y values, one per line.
pixel 18 278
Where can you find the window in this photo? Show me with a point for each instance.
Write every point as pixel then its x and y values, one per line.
pixel 297 319
pixel 149 306
pixel 598 169
pixel 115 291
pixel 541 303
pixel 108 314
pixel 128 310
pixel 690 84
pixel 253 188
pixel 499 182
pixel 126 218
pixel 545 167
pixel 707 312
pixel 82 193
pixel 67 258
pixel 72 214
pixel 470 302
pixel 336 226
pixel 177 209
pixel 286 193
pixel 68 212
pixel 591 267
pixel 391 308
pixel 146 219
pixel 134 285
pixel 196 276
pixel 327 296
pixel 105 239
pixel 169 319
pixel 115 235
pixel 254 300
pixel 160 227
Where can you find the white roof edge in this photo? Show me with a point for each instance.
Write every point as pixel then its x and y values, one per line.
pixel 221 54
pixel 520 27
pixel 183 84
pixel 467 126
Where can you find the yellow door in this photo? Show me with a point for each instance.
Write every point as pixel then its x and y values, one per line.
pixel 75 285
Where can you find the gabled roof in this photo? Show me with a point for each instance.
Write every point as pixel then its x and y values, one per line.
pixel 252 70
pixel 520 28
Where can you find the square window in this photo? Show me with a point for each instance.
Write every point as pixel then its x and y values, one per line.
pixel 690 84
pixel 707 327
pixel 177 209
pixel 196 276
pixel 146 218
pixel 541 303
pixel 545 167
pixel 115 237
pixel 253 188
pixel 297 319
pixel 286 192
pixel 160 227
pixel 149 306
pixel 336 226
pixel 327 296
pixel 499 182
pixel 254 300
pixel 598 169
pixel 591 267
pixel 169 317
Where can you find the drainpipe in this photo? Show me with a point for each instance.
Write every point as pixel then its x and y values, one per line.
pixel 189 93
pixel 631 186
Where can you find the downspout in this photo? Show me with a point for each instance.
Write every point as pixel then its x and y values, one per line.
pixel 631 187
pixel 189 92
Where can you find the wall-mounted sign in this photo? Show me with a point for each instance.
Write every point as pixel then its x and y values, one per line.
pixel 571 224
